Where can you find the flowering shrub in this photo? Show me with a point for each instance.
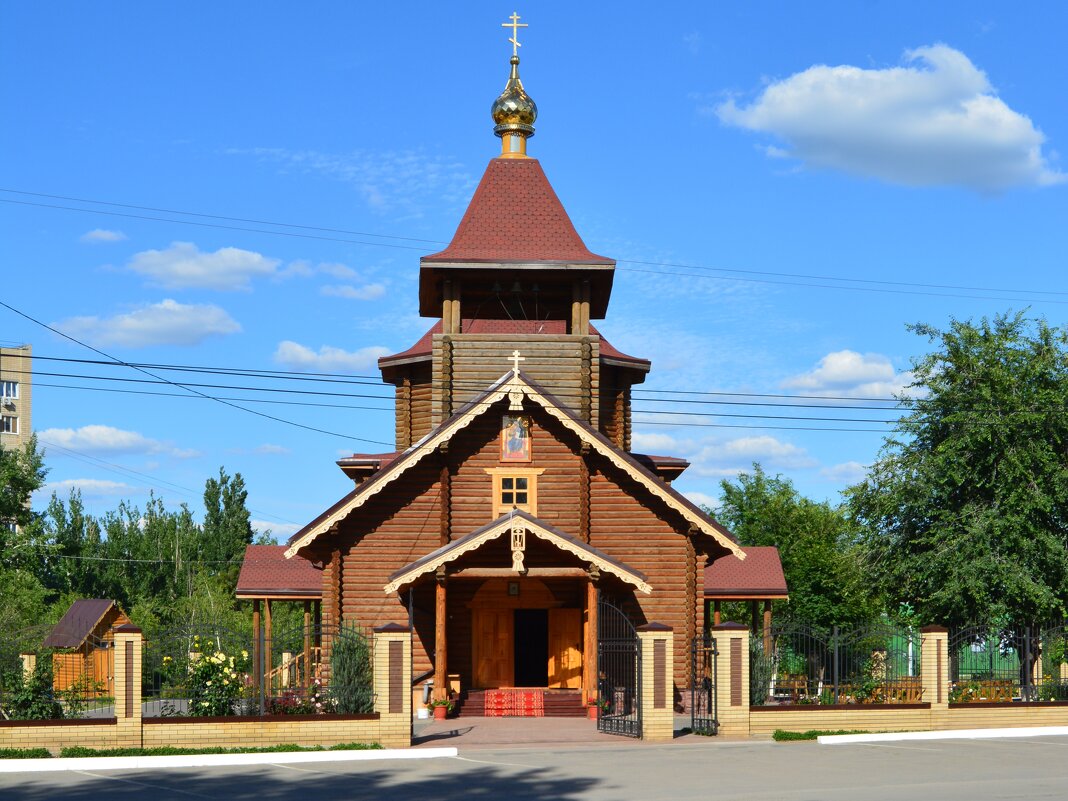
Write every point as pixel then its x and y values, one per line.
pixel 300 702
pixel 215 681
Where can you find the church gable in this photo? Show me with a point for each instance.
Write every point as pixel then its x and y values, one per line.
pixel 483 415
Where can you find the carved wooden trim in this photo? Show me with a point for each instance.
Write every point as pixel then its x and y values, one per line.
pixel 584 500
pixel 445 495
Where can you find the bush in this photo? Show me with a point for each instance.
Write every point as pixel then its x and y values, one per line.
pixel 215 681
pixel 352 674
pixel 30 697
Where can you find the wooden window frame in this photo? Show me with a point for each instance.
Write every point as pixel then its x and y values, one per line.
pixel 530 473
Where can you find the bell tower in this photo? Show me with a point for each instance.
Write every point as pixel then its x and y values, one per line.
pixel 516 275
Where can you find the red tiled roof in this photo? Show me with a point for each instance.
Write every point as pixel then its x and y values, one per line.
pixel 266 571
pixel 516 216
pixel 423 347
pixel 759 576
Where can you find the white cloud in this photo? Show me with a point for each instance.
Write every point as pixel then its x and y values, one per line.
pixel 702 499
pixel 98 235
pixel 328 358
pixel 305 269
pixel 163 323
pixel 280 531
pixel 90 487
pixel 934 121
pixel 716 457
pixel 368 292
pixel 845 473
pixel 654 442
pixel 107 439
pixel 851 374
pixel 100 439
pixel 184 266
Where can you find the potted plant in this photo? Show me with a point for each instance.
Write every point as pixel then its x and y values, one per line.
pixel 591 709
pixel 441 709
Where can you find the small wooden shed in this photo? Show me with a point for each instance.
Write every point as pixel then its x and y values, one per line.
pixel 85 634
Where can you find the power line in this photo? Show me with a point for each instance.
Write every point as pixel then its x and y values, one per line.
pixel 181 386
pixel 127 472
pixel 845 283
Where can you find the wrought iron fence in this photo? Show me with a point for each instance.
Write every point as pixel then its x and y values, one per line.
pixel 1001 664
pixel 39 682
pixel 704 718
pixel 213 671
pixel 801 664
pixel 619 671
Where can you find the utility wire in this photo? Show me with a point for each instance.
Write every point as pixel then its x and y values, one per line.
pixel 854 284
pixel 231 404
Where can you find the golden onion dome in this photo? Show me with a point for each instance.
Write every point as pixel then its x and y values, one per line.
pixel 514 111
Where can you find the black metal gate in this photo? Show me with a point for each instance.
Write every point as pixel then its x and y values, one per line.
pixel 703 712
pixel 619 671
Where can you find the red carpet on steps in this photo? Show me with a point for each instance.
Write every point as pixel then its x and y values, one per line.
pixel 515 703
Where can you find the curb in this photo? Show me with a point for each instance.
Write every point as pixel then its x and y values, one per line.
pixel 950 734
pixel 214 760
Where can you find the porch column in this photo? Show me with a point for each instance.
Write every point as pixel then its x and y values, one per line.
pixel 767 627
pixel 441 668
pixel 715 613
pixel 257 656
pixel 307 644
pixel 589 656
pixel 267 646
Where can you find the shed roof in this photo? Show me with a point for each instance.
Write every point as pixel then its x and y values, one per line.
pixel 78 623
pixel 760 576
pixel 265 572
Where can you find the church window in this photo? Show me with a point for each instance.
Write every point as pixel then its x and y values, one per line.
pixel 515 488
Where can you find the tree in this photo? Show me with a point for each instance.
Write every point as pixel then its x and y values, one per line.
pixel 227 523
pixel 967 504
pixel 816 542
pixel 22 595
pixel 22 472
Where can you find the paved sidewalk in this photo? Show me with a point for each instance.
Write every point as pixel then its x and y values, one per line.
pixel 480 732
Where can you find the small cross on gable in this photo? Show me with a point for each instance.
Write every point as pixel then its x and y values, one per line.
pixel 516 359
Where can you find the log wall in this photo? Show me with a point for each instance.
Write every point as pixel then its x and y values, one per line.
pixel 466 364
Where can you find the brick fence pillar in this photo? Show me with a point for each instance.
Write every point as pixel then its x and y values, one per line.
pixel 127 672
pixel 934 667
pixel 657 696
pixel 393 684
pixel 732 678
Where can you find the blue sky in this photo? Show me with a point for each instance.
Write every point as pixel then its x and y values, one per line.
pixel 775 157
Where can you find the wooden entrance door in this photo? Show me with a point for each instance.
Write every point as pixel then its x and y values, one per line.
pixel 493 647
pixel 565 648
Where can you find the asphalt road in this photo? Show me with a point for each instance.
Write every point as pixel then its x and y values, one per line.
pixel 951 770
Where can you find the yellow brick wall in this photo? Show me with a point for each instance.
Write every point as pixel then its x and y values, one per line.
pixel 657 724
pixel 852 717
pixel 257 732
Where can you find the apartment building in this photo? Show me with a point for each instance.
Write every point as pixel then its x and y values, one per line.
pixel 16 396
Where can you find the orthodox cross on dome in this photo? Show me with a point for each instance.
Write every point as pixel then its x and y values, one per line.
pixel 516 359
pixel 515 25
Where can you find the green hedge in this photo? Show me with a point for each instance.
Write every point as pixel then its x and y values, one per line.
pixel 166 750
pixel 784 736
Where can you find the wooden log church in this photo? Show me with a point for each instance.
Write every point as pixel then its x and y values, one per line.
pixel 513 500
